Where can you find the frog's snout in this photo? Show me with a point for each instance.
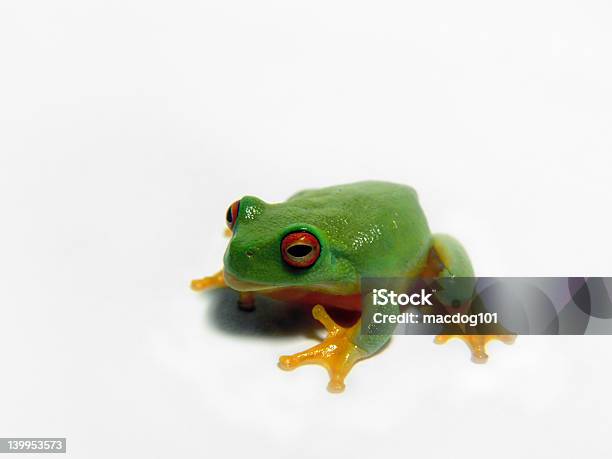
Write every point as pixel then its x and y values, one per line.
pixel 240 258
pixel 241 268
pixel 245 253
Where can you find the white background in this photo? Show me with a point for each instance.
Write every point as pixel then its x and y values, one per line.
pixel 126 129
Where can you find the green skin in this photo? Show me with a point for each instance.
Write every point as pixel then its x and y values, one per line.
pixel 365 229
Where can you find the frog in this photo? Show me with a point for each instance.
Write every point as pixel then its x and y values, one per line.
pixel 314 248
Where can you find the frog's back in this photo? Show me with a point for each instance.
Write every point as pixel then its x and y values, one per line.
pixel 378 226
pixel 382 193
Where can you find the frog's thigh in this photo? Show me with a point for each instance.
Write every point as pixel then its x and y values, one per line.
pixel 452 257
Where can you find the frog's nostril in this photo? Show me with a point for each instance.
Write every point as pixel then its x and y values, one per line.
pixel 249 253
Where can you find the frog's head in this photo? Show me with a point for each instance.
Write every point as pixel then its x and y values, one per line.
pixel 276 245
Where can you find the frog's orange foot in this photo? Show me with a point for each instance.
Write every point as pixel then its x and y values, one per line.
pixel 477 343
pixel 216 280
pixel 337 352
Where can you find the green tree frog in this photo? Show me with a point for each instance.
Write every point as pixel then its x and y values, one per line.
pixel 315 247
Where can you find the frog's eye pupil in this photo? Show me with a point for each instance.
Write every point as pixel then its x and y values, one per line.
pixel 300 249
pixel 232 215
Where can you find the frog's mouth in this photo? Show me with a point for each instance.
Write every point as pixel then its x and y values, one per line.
pixel 245 286
pixel 248 286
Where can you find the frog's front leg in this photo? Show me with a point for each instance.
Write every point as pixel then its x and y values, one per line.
pixel 217 280
pixel 449 259
pixel 246 300
pixel 337 353
pixel 342 348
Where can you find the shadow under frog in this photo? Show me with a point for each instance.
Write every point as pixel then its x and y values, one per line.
pixel 270 319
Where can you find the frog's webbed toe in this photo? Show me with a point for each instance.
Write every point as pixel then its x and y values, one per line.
pixel 477 343
pixel 337 353
pixel 208 282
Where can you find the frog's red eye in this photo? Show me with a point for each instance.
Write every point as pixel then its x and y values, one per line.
pixel 232 214
pixel 300 249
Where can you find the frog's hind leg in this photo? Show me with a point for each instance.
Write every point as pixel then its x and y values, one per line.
pixel 477 343
pixel 448 258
